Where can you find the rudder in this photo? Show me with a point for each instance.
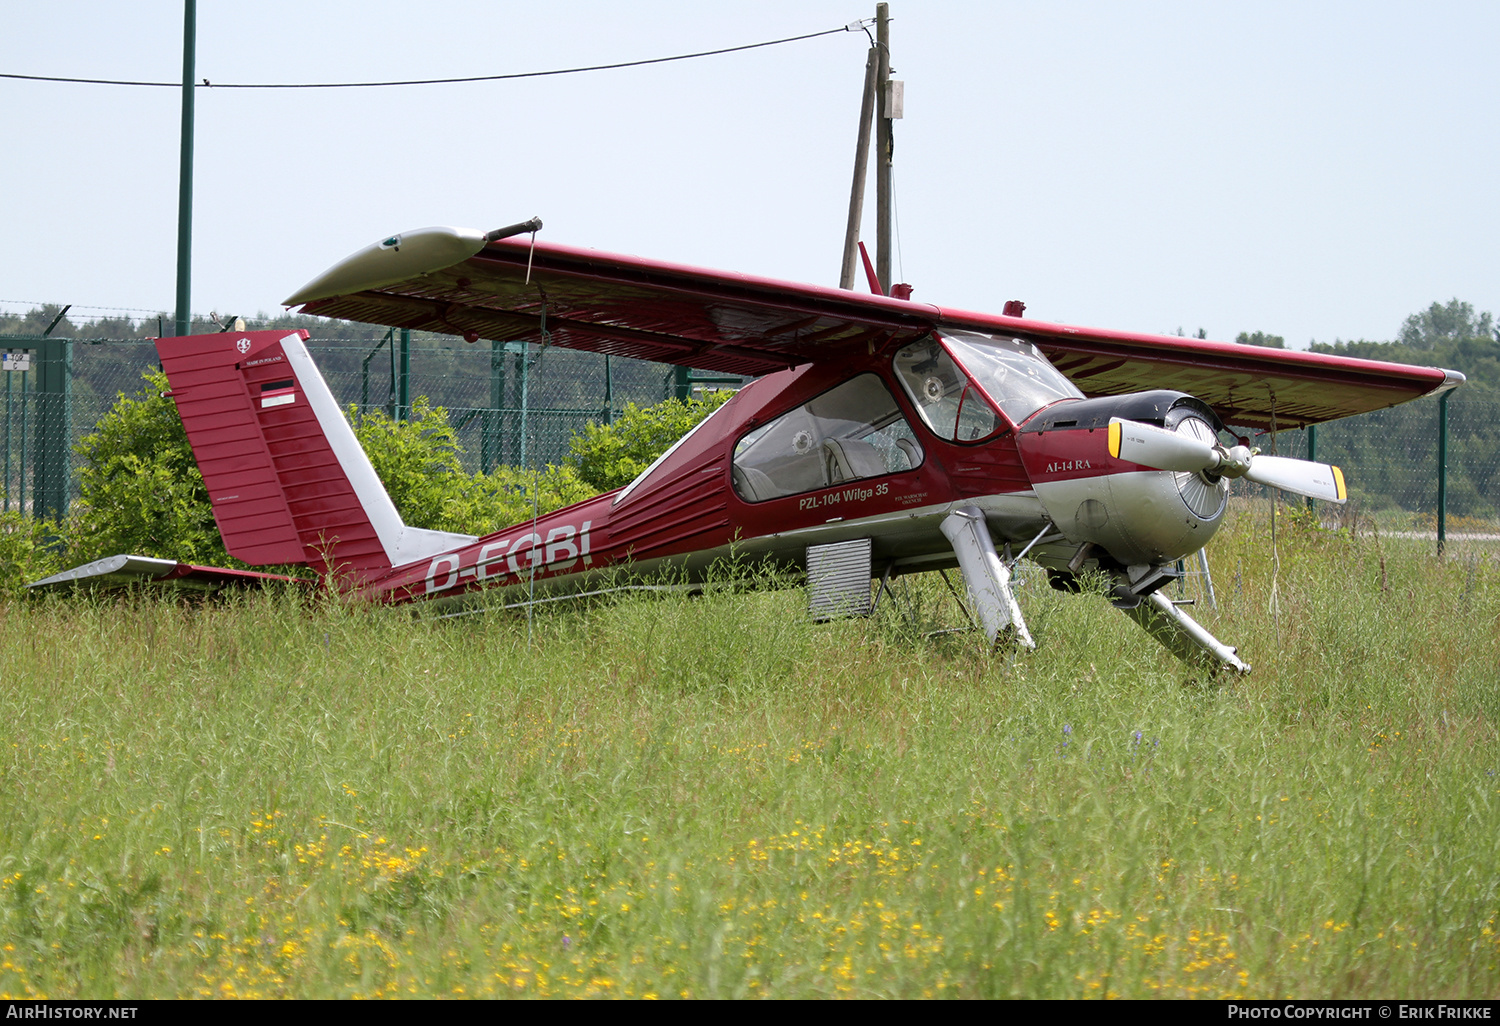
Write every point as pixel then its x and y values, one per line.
pixel 287 478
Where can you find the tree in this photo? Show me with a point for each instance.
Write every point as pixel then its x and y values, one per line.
pixel 1391 453
pixel 1444 335
pixel 1260 338
pixel 1446 322
pixel 27 551
pixel 35 321
pixel 485 503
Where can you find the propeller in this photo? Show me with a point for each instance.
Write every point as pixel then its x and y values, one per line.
pixel 1151 446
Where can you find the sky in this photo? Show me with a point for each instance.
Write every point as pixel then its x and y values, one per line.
pixel 1314 170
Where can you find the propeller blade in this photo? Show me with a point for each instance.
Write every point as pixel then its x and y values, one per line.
pixel 1301 477
pixel 1152 446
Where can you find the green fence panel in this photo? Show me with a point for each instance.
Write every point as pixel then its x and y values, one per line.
pixel 1390 462
pixel 479 385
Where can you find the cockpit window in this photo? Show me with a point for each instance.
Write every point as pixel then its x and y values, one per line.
pixel 943 394
pixel 1012 371
pixel 848 433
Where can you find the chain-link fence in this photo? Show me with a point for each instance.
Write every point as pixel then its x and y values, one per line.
pixel 1389 458
pixel 509 403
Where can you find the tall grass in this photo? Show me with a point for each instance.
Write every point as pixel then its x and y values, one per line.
pixel 714 797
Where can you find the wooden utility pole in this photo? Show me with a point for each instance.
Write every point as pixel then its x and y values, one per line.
pixel 861 161
pixel 883 149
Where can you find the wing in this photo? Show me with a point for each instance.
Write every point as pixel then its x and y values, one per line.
pixel 603 303
pixel 1249 386
pixel 462 282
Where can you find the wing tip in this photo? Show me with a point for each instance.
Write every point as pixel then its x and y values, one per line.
pixel 394 258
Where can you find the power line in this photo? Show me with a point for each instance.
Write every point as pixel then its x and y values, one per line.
pixel 206 84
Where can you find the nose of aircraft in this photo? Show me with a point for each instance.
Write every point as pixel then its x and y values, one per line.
pixel 1136 512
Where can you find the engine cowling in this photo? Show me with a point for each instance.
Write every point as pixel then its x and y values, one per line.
pixel 1138 515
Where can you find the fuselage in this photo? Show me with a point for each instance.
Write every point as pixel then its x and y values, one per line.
pixel 875 444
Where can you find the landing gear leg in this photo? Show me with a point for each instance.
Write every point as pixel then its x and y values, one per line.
pixel 985 576
pixel 1183 636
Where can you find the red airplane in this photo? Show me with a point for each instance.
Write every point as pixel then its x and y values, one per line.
pixel 880 437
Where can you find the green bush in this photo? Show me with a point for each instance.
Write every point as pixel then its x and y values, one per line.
pixel 614 455
pixel 485 503
pixel 141 490
pixel 417 459
pixel 27 552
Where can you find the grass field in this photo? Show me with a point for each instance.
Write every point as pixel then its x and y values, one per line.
pixel 714 797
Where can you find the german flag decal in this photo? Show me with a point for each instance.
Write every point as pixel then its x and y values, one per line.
pixel 277 393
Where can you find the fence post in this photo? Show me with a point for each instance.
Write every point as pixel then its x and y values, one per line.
pixel 510 391
pixel 1442 496
pixel 403 386
pixel 52 456
pixel 488 434
pixel 21 468
pixel 8 375
pixel 525 399
pixel 183 323
pixel 1312 452
pixel 609 391
pixel 364 375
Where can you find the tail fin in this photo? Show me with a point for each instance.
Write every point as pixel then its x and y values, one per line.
pixel 286 476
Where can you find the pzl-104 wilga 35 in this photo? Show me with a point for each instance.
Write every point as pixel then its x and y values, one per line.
pixel 880 437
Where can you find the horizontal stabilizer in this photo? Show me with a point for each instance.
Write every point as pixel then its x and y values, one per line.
pixel 119 571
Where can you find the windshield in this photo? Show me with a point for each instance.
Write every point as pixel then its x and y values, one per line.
pixel 943 394
pixel 1012 372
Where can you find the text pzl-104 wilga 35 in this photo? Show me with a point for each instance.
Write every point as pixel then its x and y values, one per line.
pixel 880 437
